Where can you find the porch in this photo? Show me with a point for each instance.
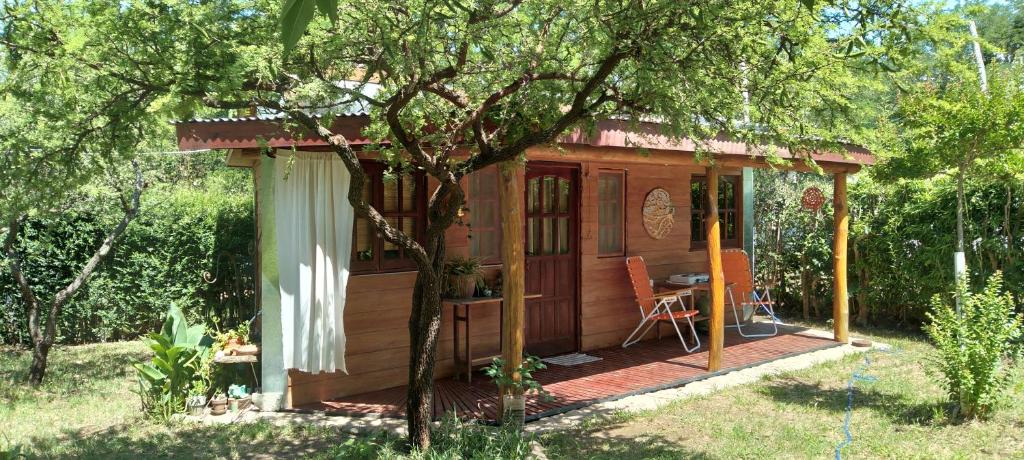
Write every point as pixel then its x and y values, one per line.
pixel 644 367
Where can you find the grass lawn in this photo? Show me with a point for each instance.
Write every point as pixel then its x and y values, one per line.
pixel 87 409
pixel 800 415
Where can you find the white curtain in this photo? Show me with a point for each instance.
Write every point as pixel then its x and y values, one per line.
pixel 314 241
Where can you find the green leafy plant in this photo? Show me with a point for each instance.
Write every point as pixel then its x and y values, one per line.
pixel 180 353
pixel 526 383
pixel 975 346
pixel 459 265
pixel 457 269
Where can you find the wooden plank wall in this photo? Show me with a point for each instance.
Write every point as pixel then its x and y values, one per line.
pixel 378 306
pixel 377 334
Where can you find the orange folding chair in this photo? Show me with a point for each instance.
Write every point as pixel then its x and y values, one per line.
pixel 736 268
pixel 657 308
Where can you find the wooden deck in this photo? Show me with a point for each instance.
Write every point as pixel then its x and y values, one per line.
pixel 644 367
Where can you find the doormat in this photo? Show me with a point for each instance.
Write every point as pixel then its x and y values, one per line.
pixel 571 359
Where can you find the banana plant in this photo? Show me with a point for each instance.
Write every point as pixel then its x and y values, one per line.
pixel 179 352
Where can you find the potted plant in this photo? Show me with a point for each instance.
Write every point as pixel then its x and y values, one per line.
pixel 219 404
pixel 462 274
pixel 195 404
pixel 196 401
pixel 513 398
pixel 233 338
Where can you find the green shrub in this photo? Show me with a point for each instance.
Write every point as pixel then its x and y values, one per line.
pixel 975 346
pixel 192 245
pixel 180 352
pixel 901 242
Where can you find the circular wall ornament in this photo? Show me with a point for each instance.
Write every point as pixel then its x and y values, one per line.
pixel 658 213
pixel 812 199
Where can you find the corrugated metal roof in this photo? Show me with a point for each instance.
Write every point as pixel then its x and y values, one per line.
pixel 262 117
pixel 262 131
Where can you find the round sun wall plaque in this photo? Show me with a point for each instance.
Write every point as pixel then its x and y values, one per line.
pixel 658 213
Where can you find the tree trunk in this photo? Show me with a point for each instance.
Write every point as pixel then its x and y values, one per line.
pixel 803 290
pixel 813 298
pixel 42 340
pixel 960 211
pixel 40 353
pixel 862 285
pixel 424 331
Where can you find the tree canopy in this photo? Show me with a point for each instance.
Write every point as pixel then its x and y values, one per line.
pixel 449 87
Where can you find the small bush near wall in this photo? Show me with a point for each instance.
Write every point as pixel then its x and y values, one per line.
pixel 191 245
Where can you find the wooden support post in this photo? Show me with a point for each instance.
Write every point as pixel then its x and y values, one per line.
pixel 513 272
pixel 840 301
pixel 714 239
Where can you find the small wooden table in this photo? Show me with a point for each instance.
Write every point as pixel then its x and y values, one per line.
pixel 466 362
pixel 697 287
pixel 240 359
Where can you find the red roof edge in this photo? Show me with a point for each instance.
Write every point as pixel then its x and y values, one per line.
pixel 243 133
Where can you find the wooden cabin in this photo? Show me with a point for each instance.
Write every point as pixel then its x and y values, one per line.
pixel 583 215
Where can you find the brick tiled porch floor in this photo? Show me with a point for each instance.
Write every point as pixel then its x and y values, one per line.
pixel 641 368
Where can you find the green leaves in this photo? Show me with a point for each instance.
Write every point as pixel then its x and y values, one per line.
pixel 179 350
pixel 296 16
pixel 975 346
pixel 328 7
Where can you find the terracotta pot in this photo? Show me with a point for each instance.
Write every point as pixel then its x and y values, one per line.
pixel 218 406
pixel 467 286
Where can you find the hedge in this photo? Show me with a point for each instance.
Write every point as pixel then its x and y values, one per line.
pixel 191 244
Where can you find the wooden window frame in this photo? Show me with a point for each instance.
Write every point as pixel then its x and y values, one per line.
pixel 375 175
pixel 622 213
pixel 699 243
pixel 493 259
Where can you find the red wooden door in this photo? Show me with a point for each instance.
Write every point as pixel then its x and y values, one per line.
pixel 552 258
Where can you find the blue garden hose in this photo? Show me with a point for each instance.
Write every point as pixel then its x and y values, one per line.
pixel 859 375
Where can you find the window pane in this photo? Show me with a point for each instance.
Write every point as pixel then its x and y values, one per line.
pixel 563 235
pixel 729 225
pixel 483 184
pixel 697 193
pixel 409 226
pixel 364 239
pixel 409 193
pixel 696 226
pixel 547 236
pixel 485 228
pixel 725 194
pixel 364 235
pixel 482 244
pixel 390 193
pixel 532 195
pixel 549 194
pixel 531 236
pixel 610 213
pixel 563 195
pixel 391 251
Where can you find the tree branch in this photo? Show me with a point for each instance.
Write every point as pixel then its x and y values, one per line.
pixel 14 262
pixel 64 295
pixel 577 111
pixel 357 184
